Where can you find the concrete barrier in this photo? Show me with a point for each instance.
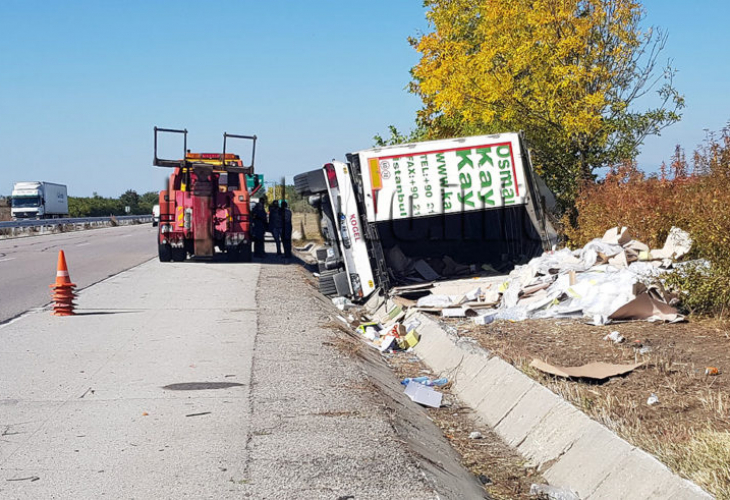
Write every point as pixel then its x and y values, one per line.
pixel 569 448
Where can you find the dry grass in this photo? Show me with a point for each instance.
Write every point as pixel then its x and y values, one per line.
pixel 307 224
pixel 689 430
pixel 694 450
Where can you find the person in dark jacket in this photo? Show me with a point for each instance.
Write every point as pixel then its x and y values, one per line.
pixel 275 222
pixel 258 230
pixel 286 228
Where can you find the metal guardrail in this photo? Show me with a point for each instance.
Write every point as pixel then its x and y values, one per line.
pixel 70 220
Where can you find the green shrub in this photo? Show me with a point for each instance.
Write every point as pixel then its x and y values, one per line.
pixel 702 289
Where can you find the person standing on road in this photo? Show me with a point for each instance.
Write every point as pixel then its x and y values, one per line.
pixel 275 224
pixel 258 231
pixel 286 229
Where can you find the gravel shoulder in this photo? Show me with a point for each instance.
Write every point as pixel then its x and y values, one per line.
pixel 328 418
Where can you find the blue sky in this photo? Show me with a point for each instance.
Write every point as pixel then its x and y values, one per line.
pixel 82 83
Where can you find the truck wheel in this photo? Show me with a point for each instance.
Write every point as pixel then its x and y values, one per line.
pixel 179 254
pixel 165 252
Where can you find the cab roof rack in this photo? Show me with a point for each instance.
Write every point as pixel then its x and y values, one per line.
pixel 226 162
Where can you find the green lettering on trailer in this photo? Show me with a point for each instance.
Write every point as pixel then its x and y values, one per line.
pixel 485 156
pixel 464 159
pixel 504 151
pixel 485 176
pixel 441 168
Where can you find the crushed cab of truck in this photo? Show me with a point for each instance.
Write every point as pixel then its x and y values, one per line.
pixel 427 209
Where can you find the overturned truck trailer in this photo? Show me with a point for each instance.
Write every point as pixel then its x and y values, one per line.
pixel 434 208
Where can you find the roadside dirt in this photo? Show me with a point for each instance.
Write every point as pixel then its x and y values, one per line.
pixel 307 225
pixel 689 429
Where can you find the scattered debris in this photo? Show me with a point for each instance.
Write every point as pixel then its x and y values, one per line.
pixel 475 435
pixel 552 492
pixel 610 279
pixel 418 380
pixel 439 382
pixel 29 478
pixel 198 414
pixel 614 336
pixel 342 303
pixel 484 319
pixel 597 371
pixel 711 370
pixel 423 395
pixel 614 278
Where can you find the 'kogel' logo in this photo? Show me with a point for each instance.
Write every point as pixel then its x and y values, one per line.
pixel 355 227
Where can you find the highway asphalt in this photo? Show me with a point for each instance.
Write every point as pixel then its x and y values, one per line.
pixel 209 381
pixel 28 264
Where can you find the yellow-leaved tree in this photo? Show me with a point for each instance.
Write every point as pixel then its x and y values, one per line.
pixel 567 72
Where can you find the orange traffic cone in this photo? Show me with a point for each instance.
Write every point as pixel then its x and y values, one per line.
pixel 63 289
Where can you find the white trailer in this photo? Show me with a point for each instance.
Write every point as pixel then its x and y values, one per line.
pixel 473 199
pixel 39 200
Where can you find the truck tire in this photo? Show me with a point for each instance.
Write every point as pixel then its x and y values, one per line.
pixel 164 251
pixel 179 254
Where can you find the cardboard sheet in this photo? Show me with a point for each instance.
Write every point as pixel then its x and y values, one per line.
pixel 597 371
pixel 424 395
pixel 403 302
pixel 459 312
pixel 410 288
pixel 648 308
pixel 617 236
pixel 531 289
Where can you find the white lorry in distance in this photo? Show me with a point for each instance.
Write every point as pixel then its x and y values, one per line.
pixel 38 200
pixel 474 201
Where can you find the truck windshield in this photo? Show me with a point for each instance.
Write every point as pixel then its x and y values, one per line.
pixel 26 202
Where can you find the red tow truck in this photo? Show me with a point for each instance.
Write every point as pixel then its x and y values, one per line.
pixel 206 204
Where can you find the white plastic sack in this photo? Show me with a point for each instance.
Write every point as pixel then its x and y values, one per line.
pixel 435 301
